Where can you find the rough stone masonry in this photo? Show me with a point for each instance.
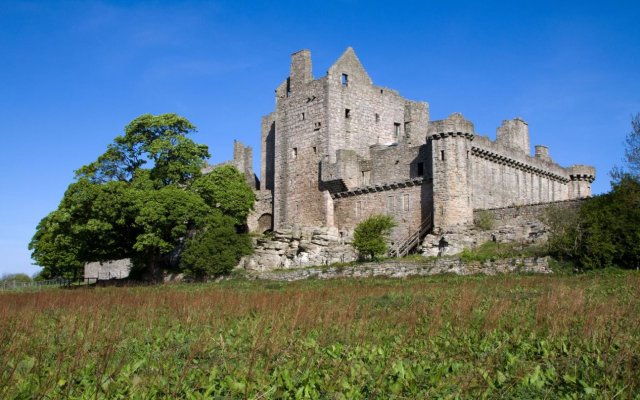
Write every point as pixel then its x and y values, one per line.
pixel 339 149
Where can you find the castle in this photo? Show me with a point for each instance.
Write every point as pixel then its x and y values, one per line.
pixel 338 149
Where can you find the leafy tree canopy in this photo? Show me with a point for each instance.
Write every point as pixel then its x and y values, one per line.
pixel 225 188
pixel 605 231
pixel 216 250
pixel 139 200
pixel 369 237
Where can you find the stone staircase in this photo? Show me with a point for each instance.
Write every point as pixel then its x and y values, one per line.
pixel 408 243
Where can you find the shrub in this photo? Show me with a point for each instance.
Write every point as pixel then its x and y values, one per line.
pixel 483 220
pixel 369 237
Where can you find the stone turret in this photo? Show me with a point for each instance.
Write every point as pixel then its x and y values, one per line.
pixel 450 141
pixel 514 133
pixel 581 178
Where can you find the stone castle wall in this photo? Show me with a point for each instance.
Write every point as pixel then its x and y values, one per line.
pixel 408 202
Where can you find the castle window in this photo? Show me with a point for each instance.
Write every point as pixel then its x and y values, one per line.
pixel 345 80
pixel 377 117
pixel 347 113
pixel 390 202
pixel 396 129
pixel 405 202
pixel 294 153
pixel 302 117
pixel 359 209
pixel 420 171
pixel 317 125
pixel 442 155
pixel 315 150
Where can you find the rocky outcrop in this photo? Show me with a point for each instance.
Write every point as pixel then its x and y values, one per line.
pixel 404 269
pixel 450 241
pixel 299 247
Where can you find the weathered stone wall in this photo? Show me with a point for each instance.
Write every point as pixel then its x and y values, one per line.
pixel 260 219
pixel 504 174
pixel 451 146
pixel 300 142
pixel 408 202
pixel 267 151
pixel 299 247
pixel 404 269
pixel 531 211
pixel 375 115
pixel 114 269
pixel 514 224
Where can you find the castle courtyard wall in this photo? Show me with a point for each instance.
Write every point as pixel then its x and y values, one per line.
pixel 409 203
pixel 502 177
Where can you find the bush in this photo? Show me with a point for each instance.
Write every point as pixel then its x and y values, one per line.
pixel 216 249
pixel 369 237
pixel 483 220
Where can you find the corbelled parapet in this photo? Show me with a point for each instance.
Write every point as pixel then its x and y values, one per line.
pixel 582 173
pixel 454 125
pixel 581 178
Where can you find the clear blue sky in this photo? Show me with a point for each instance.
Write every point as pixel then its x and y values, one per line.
pixel 73 74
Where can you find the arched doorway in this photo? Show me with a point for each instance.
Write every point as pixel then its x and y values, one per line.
pixel 265 223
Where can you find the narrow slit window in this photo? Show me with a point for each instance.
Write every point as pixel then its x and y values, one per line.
pixel 396 129
pixel 347 113
pixel 302 116
pixel 420 171
pixel 345 80
pixel 405 202
pixel 442 155
pixel 377 117
pixel 315 150
pixel 294 153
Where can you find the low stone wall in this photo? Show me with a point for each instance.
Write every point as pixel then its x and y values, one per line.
pixel 114 269
pixel 403 269
pixel 513 224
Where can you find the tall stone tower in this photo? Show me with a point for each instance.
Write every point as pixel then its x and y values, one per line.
pixel 451 150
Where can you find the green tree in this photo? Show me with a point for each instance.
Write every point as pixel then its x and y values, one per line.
pixel 136 200
pixel 225 188
pixel 605 231
pixel 216 249
pixel 19 277
pixel 369 237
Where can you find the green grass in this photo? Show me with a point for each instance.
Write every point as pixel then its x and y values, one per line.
pixel 508 336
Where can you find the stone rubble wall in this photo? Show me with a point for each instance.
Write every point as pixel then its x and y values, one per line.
pixel 298 248
pixel 404 269
pixel 514 224
pixel 114 269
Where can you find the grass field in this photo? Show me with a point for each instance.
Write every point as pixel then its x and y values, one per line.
pixel 447 337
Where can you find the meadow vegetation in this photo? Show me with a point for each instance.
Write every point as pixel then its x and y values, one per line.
pixel 515 336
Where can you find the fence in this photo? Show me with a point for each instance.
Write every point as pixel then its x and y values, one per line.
pixel 34 285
